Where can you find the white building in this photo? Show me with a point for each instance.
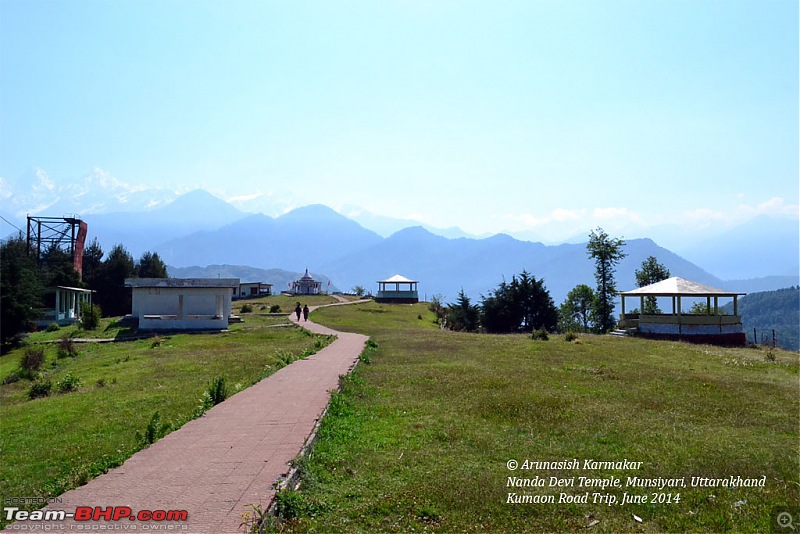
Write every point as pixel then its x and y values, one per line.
pixel 248 290
pixel 182 303
pixel 66 306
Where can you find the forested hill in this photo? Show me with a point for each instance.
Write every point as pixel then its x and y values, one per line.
pixel 778 310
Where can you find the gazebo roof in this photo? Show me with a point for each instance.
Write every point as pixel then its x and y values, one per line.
pixel 678 286
pixel 307 276
pixel 398 279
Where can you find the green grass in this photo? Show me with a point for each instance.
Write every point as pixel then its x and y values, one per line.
pixel 286 302
pixel 419 438
pixel 52 444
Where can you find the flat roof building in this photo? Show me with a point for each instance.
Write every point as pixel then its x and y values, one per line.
pixel 182 303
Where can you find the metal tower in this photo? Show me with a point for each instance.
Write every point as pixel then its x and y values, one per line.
pixel 66 233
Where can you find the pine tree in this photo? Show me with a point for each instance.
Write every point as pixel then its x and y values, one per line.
pixel 524 305
pixel 607 253
pixel 21 288
pixel 112 295
pixel 92 260
pixel 463 315
pixel 151 266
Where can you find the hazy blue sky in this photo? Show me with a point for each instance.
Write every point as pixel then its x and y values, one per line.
pixel 488 115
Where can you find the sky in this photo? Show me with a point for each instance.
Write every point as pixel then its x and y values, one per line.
pixel 548 117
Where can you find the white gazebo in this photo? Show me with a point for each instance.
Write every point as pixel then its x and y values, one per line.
pixel 67 305
pixel 710 327
pixel 397 289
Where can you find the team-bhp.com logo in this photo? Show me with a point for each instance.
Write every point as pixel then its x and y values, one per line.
pixel 95 513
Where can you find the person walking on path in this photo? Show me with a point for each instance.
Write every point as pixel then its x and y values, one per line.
pixel 298 310
pixel 305 313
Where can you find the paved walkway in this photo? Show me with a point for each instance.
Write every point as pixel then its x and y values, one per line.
pixel 216 466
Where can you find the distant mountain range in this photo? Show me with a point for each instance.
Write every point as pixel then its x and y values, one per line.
pixel 280 279
pixel 199 229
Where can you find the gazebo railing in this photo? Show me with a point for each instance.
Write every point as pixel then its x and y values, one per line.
pixel 397 294
pixel 632 320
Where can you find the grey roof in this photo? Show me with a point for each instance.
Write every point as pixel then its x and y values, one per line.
pixel 678 286
pixel 307 276
pixel 181 282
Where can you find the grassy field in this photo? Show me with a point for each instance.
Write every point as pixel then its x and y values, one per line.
pixel 421 436
pixel 51 444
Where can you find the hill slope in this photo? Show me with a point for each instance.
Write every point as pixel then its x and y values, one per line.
pixel 772 310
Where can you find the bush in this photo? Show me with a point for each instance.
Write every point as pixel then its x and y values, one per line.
pixel 32 360
pixel 40 389
pixel 247 308
pixel 90 316
pixel 66 348
pixel 15 376
pixel 290 504
pixel 275 308
pixel 570 336
pixel 52 327
pixel 212 396
pixel 69 383
pixel 155 430
pixel 283 358
pixel 540 334
pixel 217 390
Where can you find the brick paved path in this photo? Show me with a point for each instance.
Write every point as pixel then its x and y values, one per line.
pixel 216 466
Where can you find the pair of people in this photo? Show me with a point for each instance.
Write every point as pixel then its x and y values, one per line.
pixel 304 310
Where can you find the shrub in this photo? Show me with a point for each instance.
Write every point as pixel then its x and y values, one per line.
pixel 40 389
pixel 284 358
pixel 90 316
pixel 154 431
pixel 66 348
pixel 69 383
pixel 52 327
pixel 275 308
pixel 247 308
pixel 570 336
pixel 212 396
pixel 15 376
pixel 217 391
pixel 540 334
pixel 31 360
